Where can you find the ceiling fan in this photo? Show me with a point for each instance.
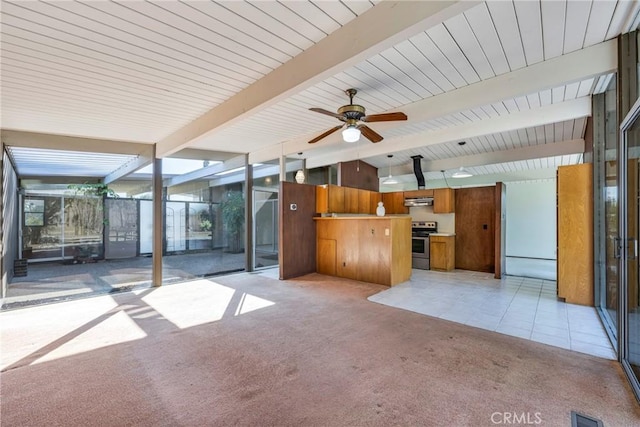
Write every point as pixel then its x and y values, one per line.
pixel 352 114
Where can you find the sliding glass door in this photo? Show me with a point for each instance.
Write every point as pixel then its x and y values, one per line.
pixel 608 269
pixel 265 221
pixel 629 303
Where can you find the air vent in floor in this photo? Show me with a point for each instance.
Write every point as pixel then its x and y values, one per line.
pixel 581 420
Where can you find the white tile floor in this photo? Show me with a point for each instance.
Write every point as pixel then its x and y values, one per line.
pixel 517 306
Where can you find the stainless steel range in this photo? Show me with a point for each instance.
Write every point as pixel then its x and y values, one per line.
pixel 420 231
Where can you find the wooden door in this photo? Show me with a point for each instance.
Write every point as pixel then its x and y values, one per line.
pixel 475 223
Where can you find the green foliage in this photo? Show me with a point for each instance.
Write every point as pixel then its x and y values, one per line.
pixel 98 190
pixel 86 212
pixel 233 218
pixel 205 225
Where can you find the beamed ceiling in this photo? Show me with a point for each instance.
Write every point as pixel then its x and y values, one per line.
pixel 511 78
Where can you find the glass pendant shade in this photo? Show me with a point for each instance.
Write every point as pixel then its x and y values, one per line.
pixel 462 173
pixel 351 134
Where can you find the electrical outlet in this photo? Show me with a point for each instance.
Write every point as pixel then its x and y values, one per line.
pixel 386 231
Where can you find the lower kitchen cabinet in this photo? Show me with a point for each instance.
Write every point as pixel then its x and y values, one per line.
pixel 326 264
pixel 442 252
pixel 370 249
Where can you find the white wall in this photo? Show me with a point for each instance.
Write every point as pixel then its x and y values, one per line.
pixel 531 229
pixel 446 222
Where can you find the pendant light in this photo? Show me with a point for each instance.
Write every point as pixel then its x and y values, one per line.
pixel 462 172
pixel 390 180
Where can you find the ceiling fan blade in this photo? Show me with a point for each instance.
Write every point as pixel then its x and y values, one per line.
pixel 327 133
pixel 328 113
pixel 384 117
pixel 370 134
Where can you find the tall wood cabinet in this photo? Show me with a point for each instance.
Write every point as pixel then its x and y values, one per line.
pixel 575 233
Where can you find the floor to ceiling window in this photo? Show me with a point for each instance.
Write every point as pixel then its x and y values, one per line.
pixel 62 227
pixel 606 207
pixel 630 221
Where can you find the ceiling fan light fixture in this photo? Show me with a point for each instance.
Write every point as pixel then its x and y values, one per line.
pixel 462 173
pixel 351 134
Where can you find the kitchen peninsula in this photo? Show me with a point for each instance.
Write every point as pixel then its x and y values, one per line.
pixel 365 247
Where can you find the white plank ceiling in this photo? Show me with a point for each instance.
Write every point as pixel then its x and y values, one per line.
pixel 140 71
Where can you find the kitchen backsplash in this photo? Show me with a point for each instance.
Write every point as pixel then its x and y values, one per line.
pixel 446 222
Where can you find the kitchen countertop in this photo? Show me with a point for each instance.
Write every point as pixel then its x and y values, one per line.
pixel 318 218
pixel 442 234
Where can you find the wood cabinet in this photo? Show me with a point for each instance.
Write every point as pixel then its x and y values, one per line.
pixel 351 200
pixel 394 203
pixel 326 264
pixel 370 249
pixel 419 193
pixel 329 198
pixel 336 199
pixel 444 200
pixel 364 201
pixel 575 233
pixel 374 199
pixel 442 252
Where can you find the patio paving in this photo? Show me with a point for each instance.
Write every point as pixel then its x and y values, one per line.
pixel 48 282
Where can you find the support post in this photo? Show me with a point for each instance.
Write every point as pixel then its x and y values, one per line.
pixel 158 222
pixel 248 215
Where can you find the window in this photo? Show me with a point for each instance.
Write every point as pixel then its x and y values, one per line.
pixel 34 212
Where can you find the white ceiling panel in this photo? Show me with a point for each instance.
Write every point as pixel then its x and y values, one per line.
pixel 506 24
pixel 143 71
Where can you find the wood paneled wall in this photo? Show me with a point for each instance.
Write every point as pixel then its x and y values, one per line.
pixel 358 174
pixel 297 230
pixel 475 228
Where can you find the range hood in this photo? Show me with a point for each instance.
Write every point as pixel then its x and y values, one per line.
pixel 418 201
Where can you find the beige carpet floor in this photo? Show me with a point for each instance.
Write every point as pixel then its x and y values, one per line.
pixel 246 349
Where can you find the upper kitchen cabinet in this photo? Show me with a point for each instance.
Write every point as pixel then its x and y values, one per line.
pixel 444 200
pixel 394 203
pixel 337 199
pixel 351 200
pixel 330 198
pixel 413 194
pixel 365 204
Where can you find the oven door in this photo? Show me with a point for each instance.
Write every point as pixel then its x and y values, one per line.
pixel 420 247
